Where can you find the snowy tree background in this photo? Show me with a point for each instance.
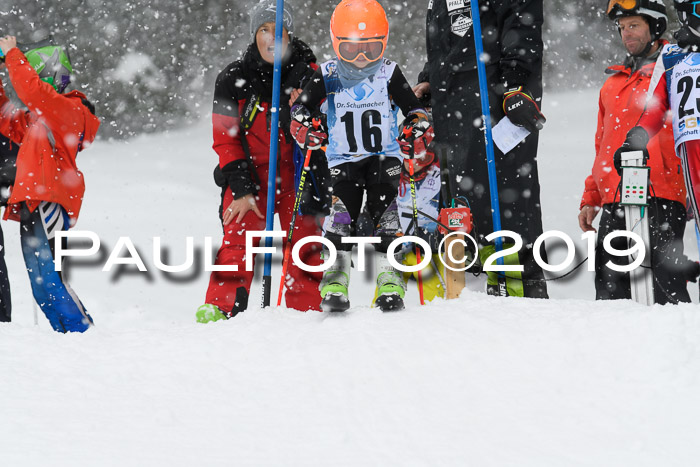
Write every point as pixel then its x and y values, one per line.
pixel 150 65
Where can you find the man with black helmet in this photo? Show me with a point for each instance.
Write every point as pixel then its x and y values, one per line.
pixel 622 101
pixel 675 90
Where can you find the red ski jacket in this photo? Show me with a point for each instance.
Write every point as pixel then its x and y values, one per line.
pixel 51 133
pixel 242 102
pixel 621 104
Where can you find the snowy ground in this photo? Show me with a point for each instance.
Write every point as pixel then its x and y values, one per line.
pixel 479 381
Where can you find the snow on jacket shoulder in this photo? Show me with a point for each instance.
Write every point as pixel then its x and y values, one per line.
pixel 51 133
pixel 621 104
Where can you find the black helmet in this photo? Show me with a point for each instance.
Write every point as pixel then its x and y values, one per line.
pixel 688 15
pixel 654 11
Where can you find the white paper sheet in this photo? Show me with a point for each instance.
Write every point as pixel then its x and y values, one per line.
pixel 507 135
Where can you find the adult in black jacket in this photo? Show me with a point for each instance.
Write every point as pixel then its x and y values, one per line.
pixel 512 40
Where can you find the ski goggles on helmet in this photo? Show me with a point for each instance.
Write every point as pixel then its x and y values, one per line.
pixel 350 50
pixel 626 5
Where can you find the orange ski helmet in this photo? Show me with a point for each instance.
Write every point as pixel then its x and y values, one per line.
pixel 359 27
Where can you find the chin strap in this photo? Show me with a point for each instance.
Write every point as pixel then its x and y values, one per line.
pixel 637 60
pixel 645 52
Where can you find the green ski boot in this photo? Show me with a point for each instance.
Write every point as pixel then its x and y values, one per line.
pixel 209 313
pixel 391 287
pixel 335 282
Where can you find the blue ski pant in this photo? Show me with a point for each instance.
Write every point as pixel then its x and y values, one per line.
pixel 56 299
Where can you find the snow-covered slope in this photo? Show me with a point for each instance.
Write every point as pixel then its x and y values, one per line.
pixel 478 381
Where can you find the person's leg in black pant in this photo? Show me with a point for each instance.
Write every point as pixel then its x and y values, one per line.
pixel 5 298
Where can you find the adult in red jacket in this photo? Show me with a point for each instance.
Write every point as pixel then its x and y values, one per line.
pixel 48 189
pixel 621 104
pixel 241 120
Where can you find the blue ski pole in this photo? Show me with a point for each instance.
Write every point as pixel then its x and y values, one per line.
pixel 274 139
pixel 490 158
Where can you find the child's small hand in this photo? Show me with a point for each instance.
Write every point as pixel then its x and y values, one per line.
pixel 7 43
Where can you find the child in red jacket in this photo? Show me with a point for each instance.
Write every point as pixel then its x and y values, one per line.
pixel 48 190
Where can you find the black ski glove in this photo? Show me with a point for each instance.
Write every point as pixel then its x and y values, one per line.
pixel 522 109
pixel 636 140
pixel 690 271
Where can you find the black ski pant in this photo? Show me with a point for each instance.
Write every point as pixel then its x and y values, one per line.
pixel 670 266
pixel 462 152
pixel 5 298
pixel 378 177
pixel 8 169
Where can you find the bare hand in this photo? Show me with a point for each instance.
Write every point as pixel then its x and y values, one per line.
pixel 293 96
pixel 421 89
pixel 240 207
pixel 7 43
pixel 586 217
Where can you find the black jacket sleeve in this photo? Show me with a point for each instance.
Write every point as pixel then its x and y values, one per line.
pixel 314 92
pixel 401 92
pixel 235 172
pixel 520 39
pixel 424 75
pixel 236 176
pixel 226 92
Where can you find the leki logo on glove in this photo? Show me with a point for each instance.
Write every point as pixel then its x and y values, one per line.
pixel 515 105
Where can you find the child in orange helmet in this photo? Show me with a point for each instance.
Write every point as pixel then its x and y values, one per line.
pixel 360 92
